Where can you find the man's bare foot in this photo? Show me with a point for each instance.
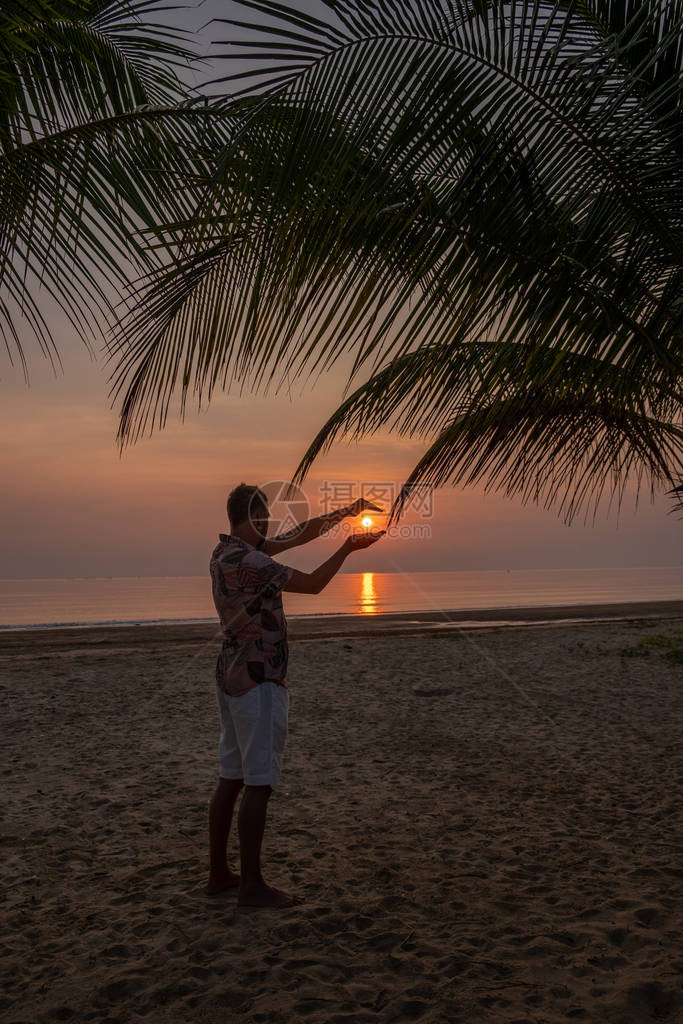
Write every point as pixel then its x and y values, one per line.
pixel 220 882
pixel 266 896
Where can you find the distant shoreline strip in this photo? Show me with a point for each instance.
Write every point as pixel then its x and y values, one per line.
pixel 307 626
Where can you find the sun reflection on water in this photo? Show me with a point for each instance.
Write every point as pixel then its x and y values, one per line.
pixel 368 594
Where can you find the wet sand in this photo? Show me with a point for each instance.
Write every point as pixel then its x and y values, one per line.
pixel 485 825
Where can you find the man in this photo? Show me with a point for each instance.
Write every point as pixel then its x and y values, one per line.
pixel 251 675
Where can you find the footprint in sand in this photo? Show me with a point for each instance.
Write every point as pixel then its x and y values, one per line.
pixel 651 1000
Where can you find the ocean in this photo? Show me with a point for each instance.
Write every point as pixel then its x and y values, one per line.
pixel 41 603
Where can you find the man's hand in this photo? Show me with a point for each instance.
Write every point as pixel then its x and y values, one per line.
pixel 361 505
pixel 316 527
pixel 314 582
pixel 358 541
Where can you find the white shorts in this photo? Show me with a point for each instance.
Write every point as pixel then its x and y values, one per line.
pixel 253 734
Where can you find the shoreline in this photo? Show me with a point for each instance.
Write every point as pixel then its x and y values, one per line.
pixel 48 641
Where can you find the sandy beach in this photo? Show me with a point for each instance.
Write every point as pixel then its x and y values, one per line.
pixel 485 826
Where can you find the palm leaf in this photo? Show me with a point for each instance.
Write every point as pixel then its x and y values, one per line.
pixel 96 147
pixel 435 175
pixel 562 451
pixel 677 494
pixel 528 429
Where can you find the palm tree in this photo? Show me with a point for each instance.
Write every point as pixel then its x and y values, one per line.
pixel 97 130
pixel 481 201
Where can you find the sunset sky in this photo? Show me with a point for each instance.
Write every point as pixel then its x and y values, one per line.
pixel 72 507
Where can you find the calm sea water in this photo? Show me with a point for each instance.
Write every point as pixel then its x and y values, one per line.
pixel 89 601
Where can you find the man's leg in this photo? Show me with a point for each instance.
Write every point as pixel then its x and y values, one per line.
pixel 251 822
pixel 220 816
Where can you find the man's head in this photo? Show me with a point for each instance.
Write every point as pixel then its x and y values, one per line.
pixel 248 513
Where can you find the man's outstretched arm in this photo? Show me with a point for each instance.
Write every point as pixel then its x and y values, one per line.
pixel 313 528
pixel 314 582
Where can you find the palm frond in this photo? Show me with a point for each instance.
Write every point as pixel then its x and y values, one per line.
pixel 94 148
pixel 561 450
pixel 433 175
pixel 677 495
pixel 64 62
pixel 529 429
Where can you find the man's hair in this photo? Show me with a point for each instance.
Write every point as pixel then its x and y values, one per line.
pixel 241 501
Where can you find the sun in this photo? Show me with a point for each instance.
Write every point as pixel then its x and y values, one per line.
pixel 367 521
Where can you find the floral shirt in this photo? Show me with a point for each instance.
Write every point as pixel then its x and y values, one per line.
pixel 247 590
